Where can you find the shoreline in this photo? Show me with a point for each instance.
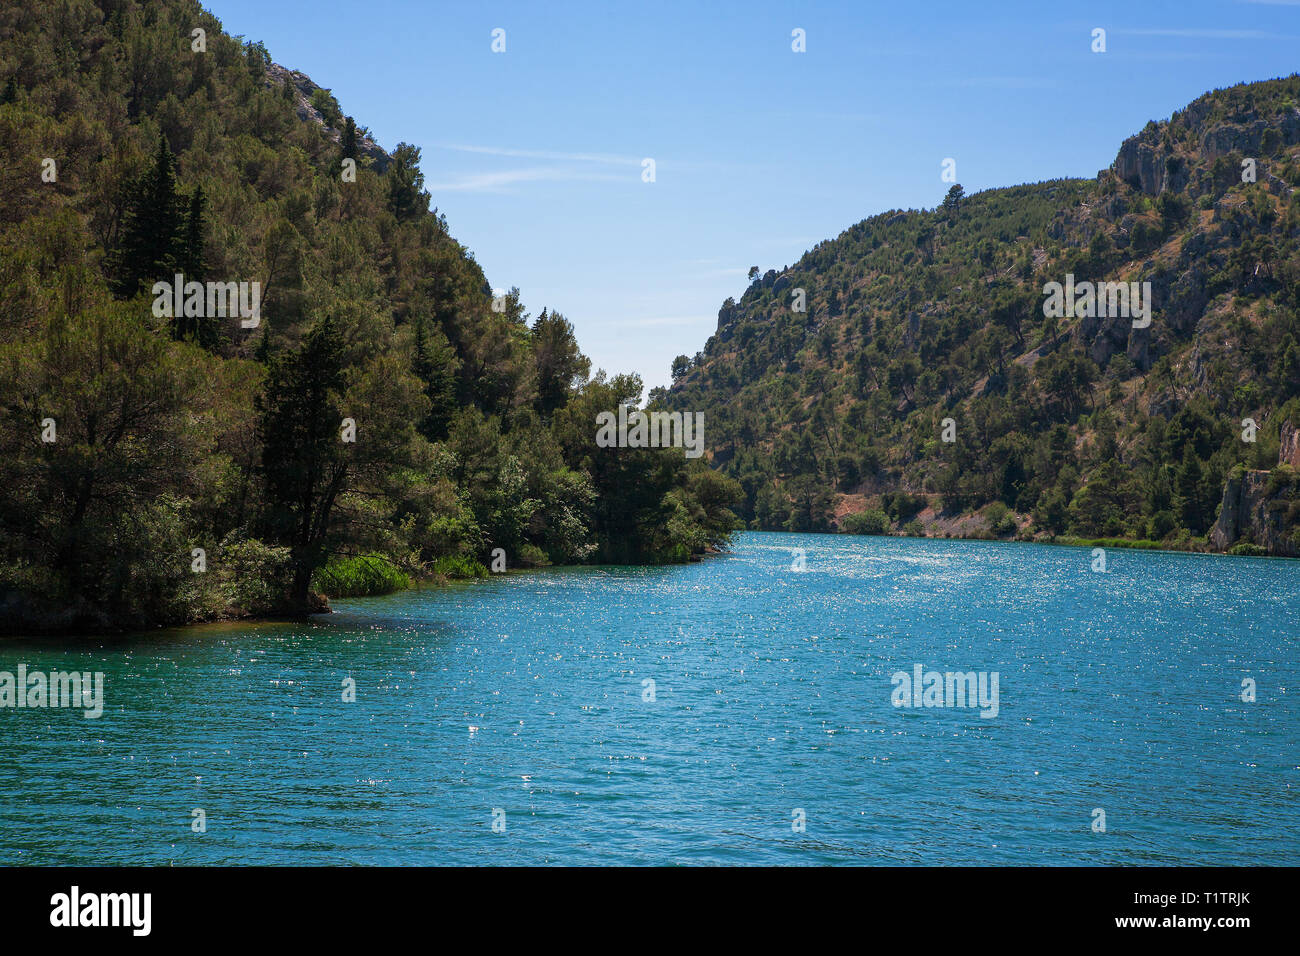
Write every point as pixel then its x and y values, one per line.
pixel 1062 541
pixel 417 584
pixel 127 634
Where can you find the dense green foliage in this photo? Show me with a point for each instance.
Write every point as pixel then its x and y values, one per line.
pixel 1082 426
pixel 364 574
pixel 472 428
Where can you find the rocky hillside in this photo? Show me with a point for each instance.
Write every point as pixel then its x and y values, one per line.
pixel 925 388
pixel 315 104
pixel 1260 509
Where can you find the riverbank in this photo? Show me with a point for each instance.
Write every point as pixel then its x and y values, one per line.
pixel 1188 546
pixel 914 516
pixel 366 576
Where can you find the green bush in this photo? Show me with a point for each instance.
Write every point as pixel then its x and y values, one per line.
pixel 328 107
pixel 531 556
pixel 254 575
pixel 360 576
pixel 1247 549
pixel 866 522
pixel 459 566
pixel 1001 519
pixel 1161 524
pixel 901 506
pixel 1283 476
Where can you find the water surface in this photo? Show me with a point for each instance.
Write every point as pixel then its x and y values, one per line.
pixel 524 694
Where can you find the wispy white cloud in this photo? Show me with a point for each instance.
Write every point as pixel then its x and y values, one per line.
pixel 602 158
pixel 570 167
pixel 595 159
pixel 499 180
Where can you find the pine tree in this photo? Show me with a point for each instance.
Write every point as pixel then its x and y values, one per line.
pixel 406 196
pixel 560 364
pixel 192 261
pixel 199 78
pixel 1187 483
pixel 152 239
pixel 262 351
pixel 349 140
pixel 435 365
pixel 1289 370
pixel 952 201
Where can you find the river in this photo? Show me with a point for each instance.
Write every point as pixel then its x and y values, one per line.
pixel 513 720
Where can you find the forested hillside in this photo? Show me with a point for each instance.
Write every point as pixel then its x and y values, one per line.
pixel 382 419
pixel 833 418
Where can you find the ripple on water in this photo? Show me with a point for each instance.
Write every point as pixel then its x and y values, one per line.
pixel 529 694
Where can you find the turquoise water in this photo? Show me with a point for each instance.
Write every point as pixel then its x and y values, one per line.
pixel 523 694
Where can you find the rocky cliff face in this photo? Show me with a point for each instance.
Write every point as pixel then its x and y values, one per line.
pixel 1260 506
pixel 1289 452
pixel 1156 162
pixel 1152 163
pixel 303 89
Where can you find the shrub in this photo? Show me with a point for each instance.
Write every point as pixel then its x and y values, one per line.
pixel 1002 521
pixel 459 566
pixel 255 575
pixel 360 576
pixel 328 107
pixel 866 522
pixel 531 556
pixel 902 506
pixel 1161 524
pixel 1283 476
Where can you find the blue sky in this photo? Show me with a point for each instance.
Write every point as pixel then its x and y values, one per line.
pixel 535 154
